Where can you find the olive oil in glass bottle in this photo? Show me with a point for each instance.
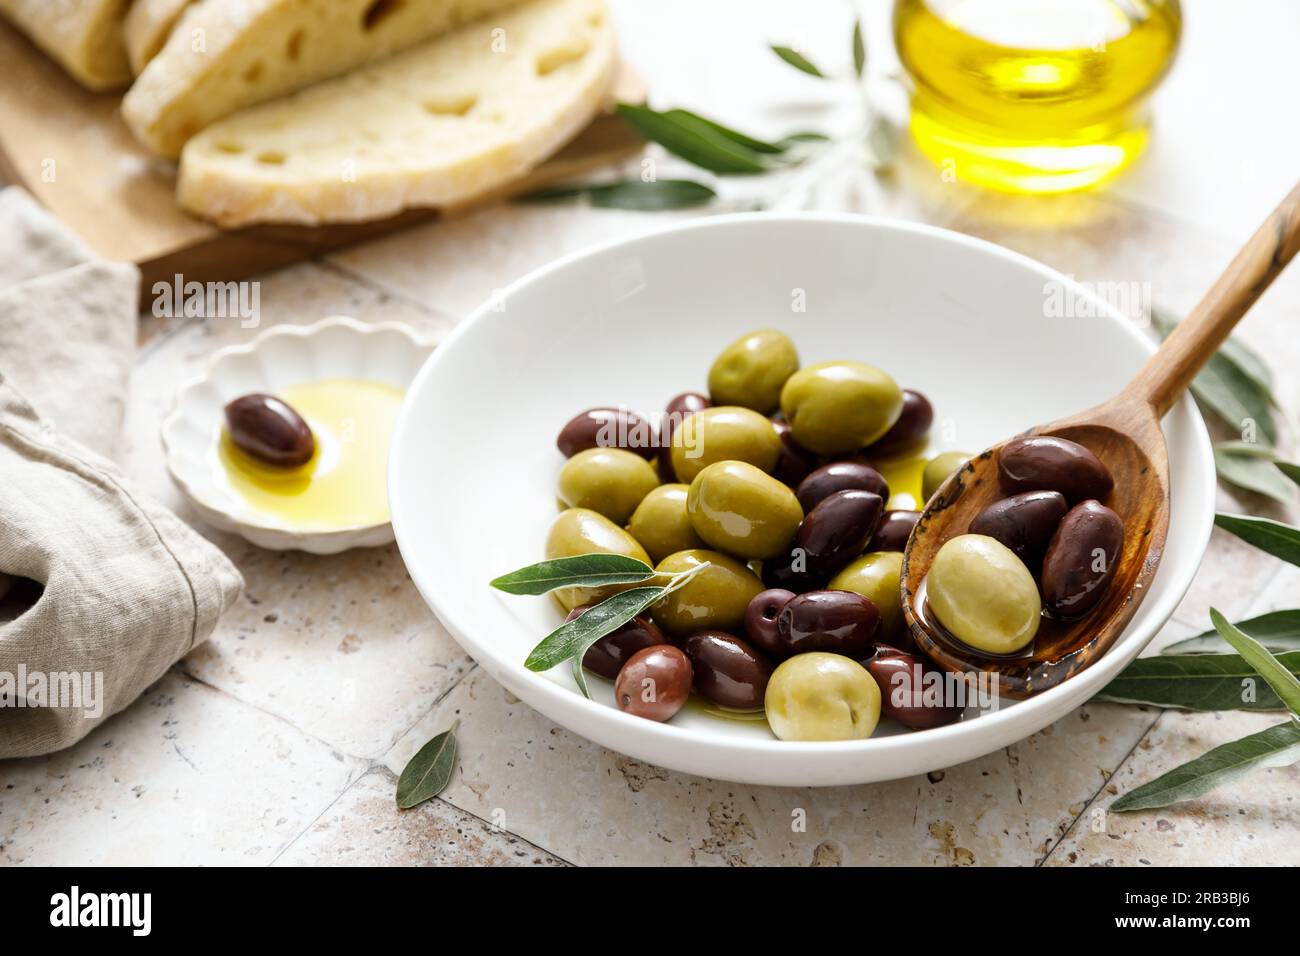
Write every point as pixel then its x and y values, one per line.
pixel 1034 95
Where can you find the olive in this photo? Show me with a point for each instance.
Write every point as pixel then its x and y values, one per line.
pixel 727 670
pixel 838 529
pixel 715 598
pixel 607 427
pixel 579 531
pixel 840 476
pixel 654 683
pixel 839 407
pixel 269 430
pixel 795 462
pixel 912 690
pixel 611 652
pixel 738 509
pixel 687 403
pixel 1024 523
pixel 841 622
pixel 894 530
pixel 609 481
pixel 751 370
pixel 761 617
pixel 791 571
pixel 1047 463
pixel 911 430
pixel 822 696
pixel 1081 559
pixel 983 594
pixel 661 524
pixel 938 469
pixel 723 433
pixel 875 576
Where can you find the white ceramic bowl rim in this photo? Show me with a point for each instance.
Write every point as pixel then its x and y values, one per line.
pixel 172 420
pixel 1094 677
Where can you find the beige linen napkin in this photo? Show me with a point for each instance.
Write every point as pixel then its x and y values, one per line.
pixel 112 588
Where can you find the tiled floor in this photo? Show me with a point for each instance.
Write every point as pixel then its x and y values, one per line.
pixel 279 741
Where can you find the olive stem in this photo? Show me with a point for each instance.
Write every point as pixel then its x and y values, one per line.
pixel 680 579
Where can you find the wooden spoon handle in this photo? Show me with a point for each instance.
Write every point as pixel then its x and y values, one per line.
pixel 1164 376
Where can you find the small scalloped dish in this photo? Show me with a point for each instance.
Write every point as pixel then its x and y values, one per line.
pixel 347 379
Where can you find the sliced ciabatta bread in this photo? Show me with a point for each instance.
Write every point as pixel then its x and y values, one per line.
pixel 231 54
pixel 148 25
pixel 84 36
pixel 434 126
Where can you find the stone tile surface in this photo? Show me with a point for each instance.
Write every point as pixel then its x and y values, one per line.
pixel 365 828
pixel 1251 822
pixel 186 775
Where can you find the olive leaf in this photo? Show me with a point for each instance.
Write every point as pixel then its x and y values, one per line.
pixel 572 638
pixel 1252 466
pixel 631 194
pixel 883 139
pixel 694 139
pixel 1279 631
pixel 1197 682
pixel 584 570
pixel 797 60
pixel 859 48
pixel 427 773
pixel 1279 675
pixel 737 137
pixel 1277 746
pixel 1234 384
pixel 1278 539
pixel 1290 469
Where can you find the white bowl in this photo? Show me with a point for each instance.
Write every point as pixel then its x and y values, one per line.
pixel 472 475
pixel 285 355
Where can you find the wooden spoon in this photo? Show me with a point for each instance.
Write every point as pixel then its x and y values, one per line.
pixel 1125 434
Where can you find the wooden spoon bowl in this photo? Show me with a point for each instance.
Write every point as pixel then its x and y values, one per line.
pixel 1125 434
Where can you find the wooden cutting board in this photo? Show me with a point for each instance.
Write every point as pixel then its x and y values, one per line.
pixel 71 150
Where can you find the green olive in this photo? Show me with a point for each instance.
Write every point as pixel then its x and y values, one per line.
pixel 875 576
pixel 724 433
pixel 751 370
pixel 821 696
pixel 610 481
pixel 983 594
pixel 715 599
pixel 839 407
pixel 937 470
pixel 579 531
pixel 745 512
pixel 661 524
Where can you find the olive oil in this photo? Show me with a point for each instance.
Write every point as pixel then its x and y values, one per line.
pixel 903 475
pixel 345 483
pixel 1034 95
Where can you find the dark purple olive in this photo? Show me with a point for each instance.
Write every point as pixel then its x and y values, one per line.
pixel 727 670
pixel 840 476
pixel 795 462
pixel 607 427
pixel 893 531
pixel 654 683
pixel 792 572
pixel 838 529
pixel 912 691
pixel 1046 463
pixel 911 429
pixel 760 619
pixel 1081 559
pixel 839 622
pixel 680 406
pixel 612 651
pixel 269 430
pixel 1025 523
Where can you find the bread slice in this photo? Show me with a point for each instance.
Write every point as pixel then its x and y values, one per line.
pixel 148 25
pixel 84 36
pixel 235 53
pixel 434 126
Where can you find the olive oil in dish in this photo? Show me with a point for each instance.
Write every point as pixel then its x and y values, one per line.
pixel 1034 95
pixel 344 483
